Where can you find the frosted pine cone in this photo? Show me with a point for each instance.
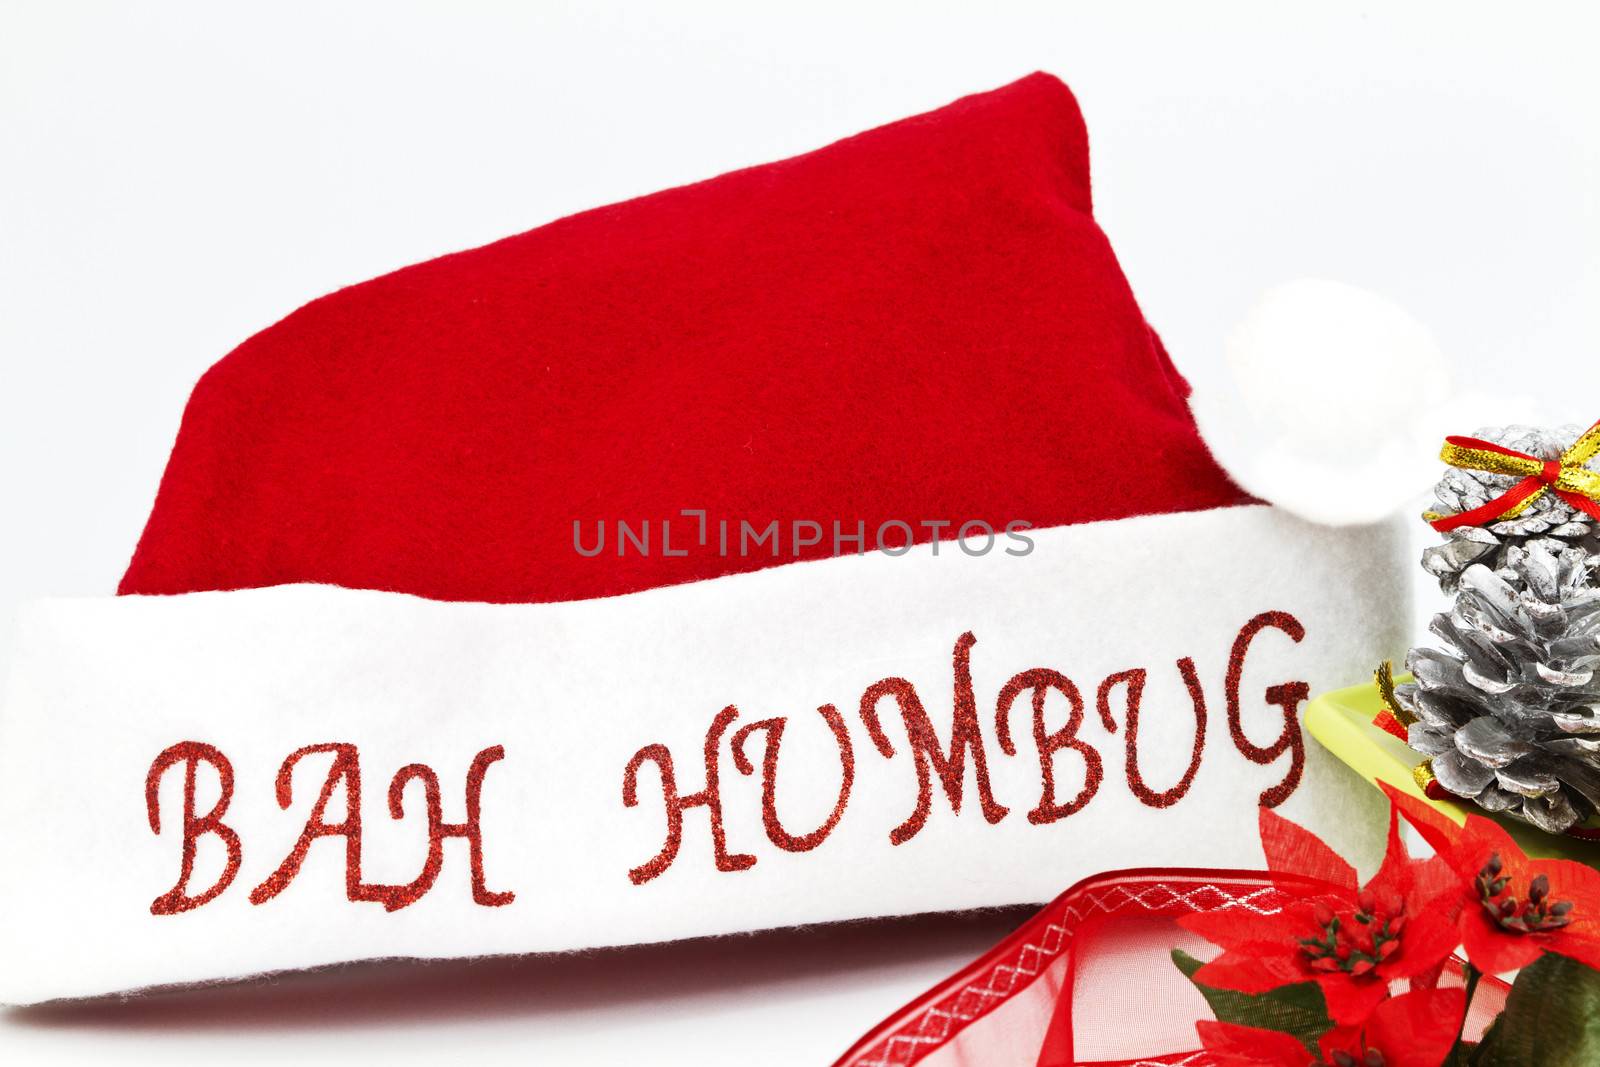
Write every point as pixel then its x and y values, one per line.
pixel 1508 708
pixel 1549 521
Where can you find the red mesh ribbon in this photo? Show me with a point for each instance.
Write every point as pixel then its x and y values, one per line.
pixel 1087 981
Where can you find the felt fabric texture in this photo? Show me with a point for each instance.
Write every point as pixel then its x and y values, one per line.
pixel 573 691
pixel 920 323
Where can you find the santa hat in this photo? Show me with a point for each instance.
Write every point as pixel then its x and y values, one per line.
pixel 825 540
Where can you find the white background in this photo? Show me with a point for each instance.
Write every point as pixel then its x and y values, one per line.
pixel 175 177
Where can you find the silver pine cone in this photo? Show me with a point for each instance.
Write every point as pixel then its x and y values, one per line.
pixel 1549 521
pixel 1508 708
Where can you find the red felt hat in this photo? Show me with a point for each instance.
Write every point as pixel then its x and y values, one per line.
pixel 837 541
pixel 921 323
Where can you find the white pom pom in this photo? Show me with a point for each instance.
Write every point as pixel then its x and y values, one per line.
pixel 1337 405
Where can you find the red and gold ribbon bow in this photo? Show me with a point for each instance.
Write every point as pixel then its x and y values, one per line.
pixel 1568 477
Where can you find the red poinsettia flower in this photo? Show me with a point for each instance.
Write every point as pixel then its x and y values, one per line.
pixel 1415 1029
pixel 1509 909
pixel 1349 939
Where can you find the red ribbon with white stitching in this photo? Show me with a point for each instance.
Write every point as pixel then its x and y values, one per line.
pixel 1086 981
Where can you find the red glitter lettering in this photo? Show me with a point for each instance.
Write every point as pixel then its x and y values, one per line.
pixel 924 743
pixel 191 754
pixel 769 778
pixel 1287 696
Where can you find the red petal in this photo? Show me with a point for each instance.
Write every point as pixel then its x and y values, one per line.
pixel 1572 881
pixel 1396 871
pixel 1493 950
pixel 1429 978
pixel 1435 884
pixel 1585 950
pixel 1346 1039
pixel 1232 1045
pixel 1350 1000
pixel 1482 838
pixel 1417 1029
pixel 1292 849
pixel 1437 830
pixel 1427 939
pixel 1254 968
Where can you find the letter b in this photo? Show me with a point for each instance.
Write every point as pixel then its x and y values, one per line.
pixel 190 754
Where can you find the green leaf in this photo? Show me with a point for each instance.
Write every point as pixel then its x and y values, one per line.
pixel 1551 1018
pixel 1297 1009
pixel 1478 1055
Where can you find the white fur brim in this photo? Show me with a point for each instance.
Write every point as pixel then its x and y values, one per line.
pixel 574 691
